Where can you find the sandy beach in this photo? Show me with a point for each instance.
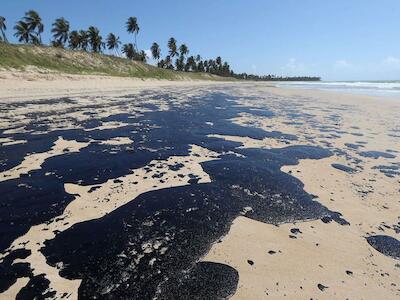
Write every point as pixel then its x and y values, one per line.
pixel 307 188
pixel 38 84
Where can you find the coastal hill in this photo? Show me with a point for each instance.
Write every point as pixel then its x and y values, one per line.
pixel 53 59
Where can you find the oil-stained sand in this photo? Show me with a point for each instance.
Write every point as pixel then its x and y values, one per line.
pixel 320 259
pixel 139 201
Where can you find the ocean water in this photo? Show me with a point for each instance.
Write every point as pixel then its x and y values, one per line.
pixel 390 89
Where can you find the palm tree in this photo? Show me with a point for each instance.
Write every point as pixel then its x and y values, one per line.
pixel 200 66
pixel 161 64
pixel 184 50
pixel 172 48
pixel 83 39
pixel 95 39
pixel 74 40
pixel 3 29
pixel 142 56
pixel 113 42
pixel 35 24
pixel 156 51
pixel 225 69
pixel 24 33
pixel 129 50
pixel 206 67
pixel 60 31
pixel 219 62
pixel 132 26
pixel 190 64
pixel 180 63
pixel 211 66
pixel 168 62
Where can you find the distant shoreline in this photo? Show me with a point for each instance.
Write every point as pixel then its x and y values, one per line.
pixel 385 89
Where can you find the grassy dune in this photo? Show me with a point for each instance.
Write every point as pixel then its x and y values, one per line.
pixel 78 62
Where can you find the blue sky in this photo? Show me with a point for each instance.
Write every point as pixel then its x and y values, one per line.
pixel 338 40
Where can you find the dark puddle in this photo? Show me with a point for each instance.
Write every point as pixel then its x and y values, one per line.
pixel 354 146
pixel 205 280
pixel 12 155
pixel 9 272
pixel 27 201
pixel 343 168
pixel 37 288
pixel 154 243
pixel 390 171
pixel 386 245
pixel 376 154
pixel 321 287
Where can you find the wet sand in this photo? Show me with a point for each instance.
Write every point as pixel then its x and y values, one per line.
pixel 281 186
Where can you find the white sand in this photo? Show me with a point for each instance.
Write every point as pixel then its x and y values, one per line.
pixel 22 86
pixel 117 141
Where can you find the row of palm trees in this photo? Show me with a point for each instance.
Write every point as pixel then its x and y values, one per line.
pixel 270 77
pixel 186 63
pixel 30 28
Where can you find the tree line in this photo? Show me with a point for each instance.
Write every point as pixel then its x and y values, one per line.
pixel 30 28
pixel 252 77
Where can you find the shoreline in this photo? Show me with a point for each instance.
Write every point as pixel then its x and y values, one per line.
pixel 381 89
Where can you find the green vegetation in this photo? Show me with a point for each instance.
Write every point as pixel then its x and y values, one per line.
pixel 48 58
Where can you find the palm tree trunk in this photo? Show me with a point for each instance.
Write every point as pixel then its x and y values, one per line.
pixel 4 36
pixel 137 49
